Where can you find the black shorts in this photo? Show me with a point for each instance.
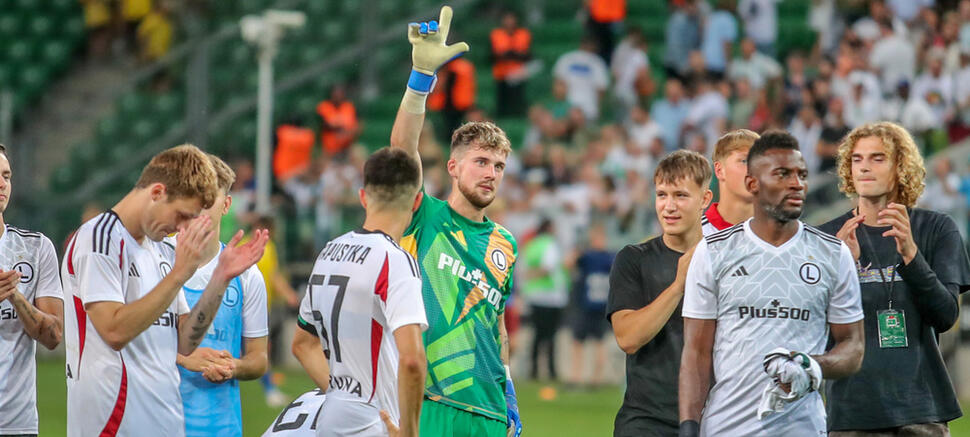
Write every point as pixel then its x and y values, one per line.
pixel 589 325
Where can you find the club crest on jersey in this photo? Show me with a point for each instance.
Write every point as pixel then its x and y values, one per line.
pixel 26 271
pixel 499 260
pixel 810 273
pixel 231 298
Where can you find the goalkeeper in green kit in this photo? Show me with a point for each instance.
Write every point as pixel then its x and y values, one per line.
pixel 466 261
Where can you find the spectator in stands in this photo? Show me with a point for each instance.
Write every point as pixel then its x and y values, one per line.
pixel 760 23
pixel 742 107
pixel 154 32
pixel 893 57
pixel 961 81
pixel 807 129
pixel 304 189
pixel 943 194
pixel 720 33
pixel 511 45
pixel 682 36
pixel 796 84
pixel 834 129
pixel 757 67
pixel 642 129
pixel 294 149
pixel 908 10
pixel 338 121
pixel 605 18
pixel 864 103
pixel 631 72
pixel 933 79
pixel 97 24
pixel 670 112
pixel 586 77
pixel 454 95
pixel 708 113
pixel 243 192
pixel 132 14
pixel 828 25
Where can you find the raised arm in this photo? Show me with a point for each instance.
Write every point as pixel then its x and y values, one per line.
pixel 233 261
pixel 428 54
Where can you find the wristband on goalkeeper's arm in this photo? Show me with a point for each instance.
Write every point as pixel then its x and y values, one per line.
pixel 811 367
pixel 512 404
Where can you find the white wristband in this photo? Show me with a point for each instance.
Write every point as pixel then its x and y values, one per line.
pixel 413 102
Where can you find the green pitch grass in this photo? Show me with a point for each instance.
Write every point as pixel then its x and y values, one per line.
pixel 585 413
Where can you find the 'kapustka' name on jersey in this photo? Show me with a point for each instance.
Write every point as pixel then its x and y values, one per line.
pixel 774 311
pixel 343 252
pixel 475 277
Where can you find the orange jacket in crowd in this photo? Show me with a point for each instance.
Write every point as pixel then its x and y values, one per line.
pixel 339 125
pixel 294 149
pixel 510 51
pixel 455 88
pixel 607 11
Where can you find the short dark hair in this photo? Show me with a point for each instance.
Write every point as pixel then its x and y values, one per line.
pixel 773 140
pixel 392 177
pixel 3 149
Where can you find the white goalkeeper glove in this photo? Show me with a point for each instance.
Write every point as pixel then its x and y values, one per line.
pixel 797 369
pixel 429 50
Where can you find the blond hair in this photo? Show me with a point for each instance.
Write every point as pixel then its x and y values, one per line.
pixel 900 149
pixel 185 171
pixel 224 174
pixel 484 135
pixel 682 164
pixel 735 140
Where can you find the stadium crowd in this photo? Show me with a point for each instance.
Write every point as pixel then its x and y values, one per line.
pixel 610 116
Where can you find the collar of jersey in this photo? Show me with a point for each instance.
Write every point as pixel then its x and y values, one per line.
pixel 768 246
pixel 486 224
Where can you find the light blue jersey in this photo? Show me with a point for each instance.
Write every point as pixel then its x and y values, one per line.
pixel 215 409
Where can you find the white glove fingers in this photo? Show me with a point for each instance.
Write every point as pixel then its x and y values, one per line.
pixel 444 23
pixel 455 50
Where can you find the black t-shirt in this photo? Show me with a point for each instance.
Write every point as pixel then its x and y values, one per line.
pixel 640 273
pixel 900 386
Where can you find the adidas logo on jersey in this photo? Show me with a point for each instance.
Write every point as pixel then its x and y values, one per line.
pixel 740 272
pixel 133 271
pixel 475 277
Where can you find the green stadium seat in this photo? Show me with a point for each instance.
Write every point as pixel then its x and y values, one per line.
pixel 10 25
pixel 20 52
pixel 29 6
pixel 40 26
pixel 56 53
pixel 108 129
pixel 73 27
pixel 32 79
pixel 7 75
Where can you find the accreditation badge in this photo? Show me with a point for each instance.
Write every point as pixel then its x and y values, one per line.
pixel 892 329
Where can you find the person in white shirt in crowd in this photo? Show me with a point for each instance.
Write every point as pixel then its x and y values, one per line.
pixel 709 112
pixel 893 57
pixel 807 130
pixel 643 129
pixel 760 23
pixel 864 102
pixel 757 67
pixel 943 194
pixel 631 71
pixel 586 77
pixel 670 112
pixel 934 79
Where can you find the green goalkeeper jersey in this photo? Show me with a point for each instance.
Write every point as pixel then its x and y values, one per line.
pixel 467 272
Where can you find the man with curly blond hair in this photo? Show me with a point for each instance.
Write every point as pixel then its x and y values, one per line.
pixel 912 267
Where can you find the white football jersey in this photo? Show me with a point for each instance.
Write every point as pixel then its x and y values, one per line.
pixel 32 254
pixel 135 391
pixel 765 297
pixel 363 288
pixel 299 419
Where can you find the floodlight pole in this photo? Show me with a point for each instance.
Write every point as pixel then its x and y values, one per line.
pixel 265 31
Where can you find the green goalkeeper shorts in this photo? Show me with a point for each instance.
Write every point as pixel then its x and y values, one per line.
pixel 439 420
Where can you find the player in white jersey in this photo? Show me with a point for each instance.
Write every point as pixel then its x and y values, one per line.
pixel 127 317
pixel 734 202
pixel 766 283
pixel 31 310
pixel 363 314
pixel 299 418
